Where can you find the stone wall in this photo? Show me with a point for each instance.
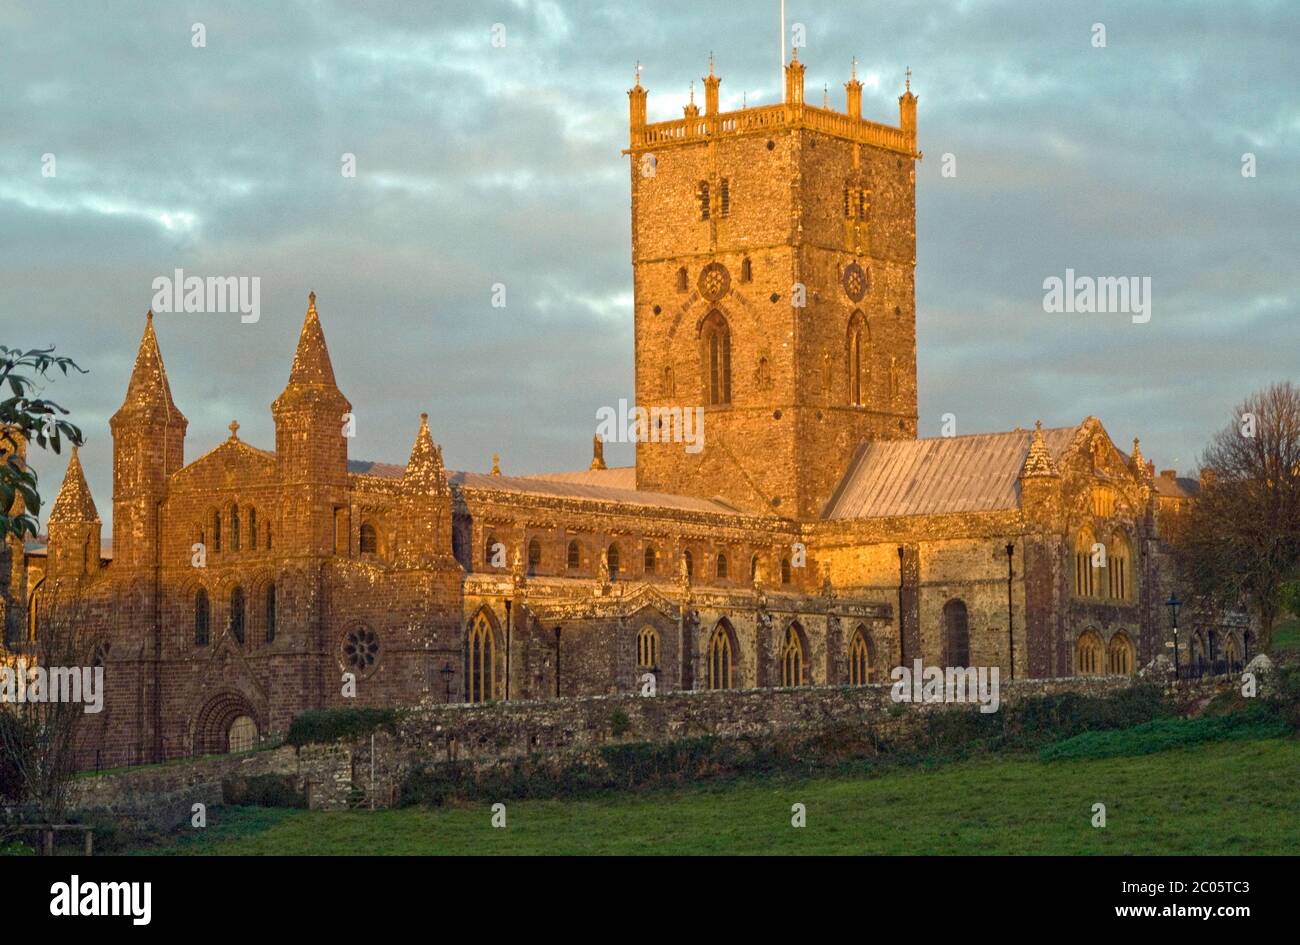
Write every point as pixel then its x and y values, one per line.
pixel 349 774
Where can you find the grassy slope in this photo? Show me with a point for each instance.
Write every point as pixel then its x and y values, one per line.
pixel 1286 637
pixel 1230 797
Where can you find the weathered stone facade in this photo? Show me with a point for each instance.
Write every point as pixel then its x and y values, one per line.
pixel 249 585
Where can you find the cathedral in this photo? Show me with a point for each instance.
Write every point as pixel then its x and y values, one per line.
pixel 812 539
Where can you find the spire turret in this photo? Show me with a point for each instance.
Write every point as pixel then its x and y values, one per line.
pixel 1038 461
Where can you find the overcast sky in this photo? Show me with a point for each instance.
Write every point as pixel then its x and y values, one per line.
pixel 479 164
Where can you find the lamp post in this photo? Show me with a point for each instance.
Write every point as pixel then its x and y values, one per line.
pixel 1173 604
pixel 447 672
pixel 1011 640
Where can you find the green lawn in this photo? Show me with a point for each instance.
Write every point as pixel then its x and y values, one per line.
pixel 1218 798
pixel 1286 637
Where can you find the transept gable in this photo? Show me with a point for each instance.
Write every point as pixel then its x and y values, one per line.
pixel 232 465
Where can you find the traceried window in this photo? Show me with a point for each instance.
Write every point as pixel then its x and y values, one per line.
pixel 716 338
pixel 720 659
pixel 860 669
pixel 647 648
pixel 574 559
pixel 1120 655
pixel 1085 577
pixel 1119 564
pixel 360 650
pixel 1088 652
pixel 482 682
pixel 792 658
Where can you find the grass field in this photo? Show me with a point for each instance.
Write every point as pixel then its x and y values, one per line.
pixel 1227 797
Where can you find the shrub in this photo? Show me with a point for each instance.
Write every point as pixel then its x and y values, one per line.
pixel 318 726
pixel 1258 721
pixel 262 790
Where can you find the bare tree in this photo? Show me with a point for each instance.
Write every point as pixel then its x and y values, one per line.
pixel 39 736
pixel 1240 542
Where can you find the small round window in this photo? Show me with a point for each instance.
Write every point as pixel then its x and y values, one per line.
pixel 360 650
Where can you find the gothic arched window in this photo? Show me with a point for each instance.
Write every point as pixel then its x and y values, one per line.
pixel 252 529
pixel 647 648
pixel 234 528
pixel 534 556
pixel 482 678
pixel 720 658
pixel 792 658
pixel 574 559
pixel 1088 652
pixel 1120 655
pixel 1084 577
pixel 716 337
pixel 858 355
pixel 860 670
pixel 216 531
pixel 651 559
pixel 722 567
pixel 611 558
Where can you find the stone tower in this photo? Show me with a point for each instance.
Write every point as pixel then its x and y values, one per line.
pixel 773 254
pixel 148 446
pixel 311 448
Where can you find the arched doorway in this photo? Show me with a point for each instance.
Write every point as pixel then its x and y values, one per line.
pixel 242 735
pixel 225 723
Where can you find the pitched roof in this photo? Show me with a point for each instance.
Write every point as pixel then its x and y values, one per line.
pixel 978 473
pixel 559 485
pixel 1175 486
